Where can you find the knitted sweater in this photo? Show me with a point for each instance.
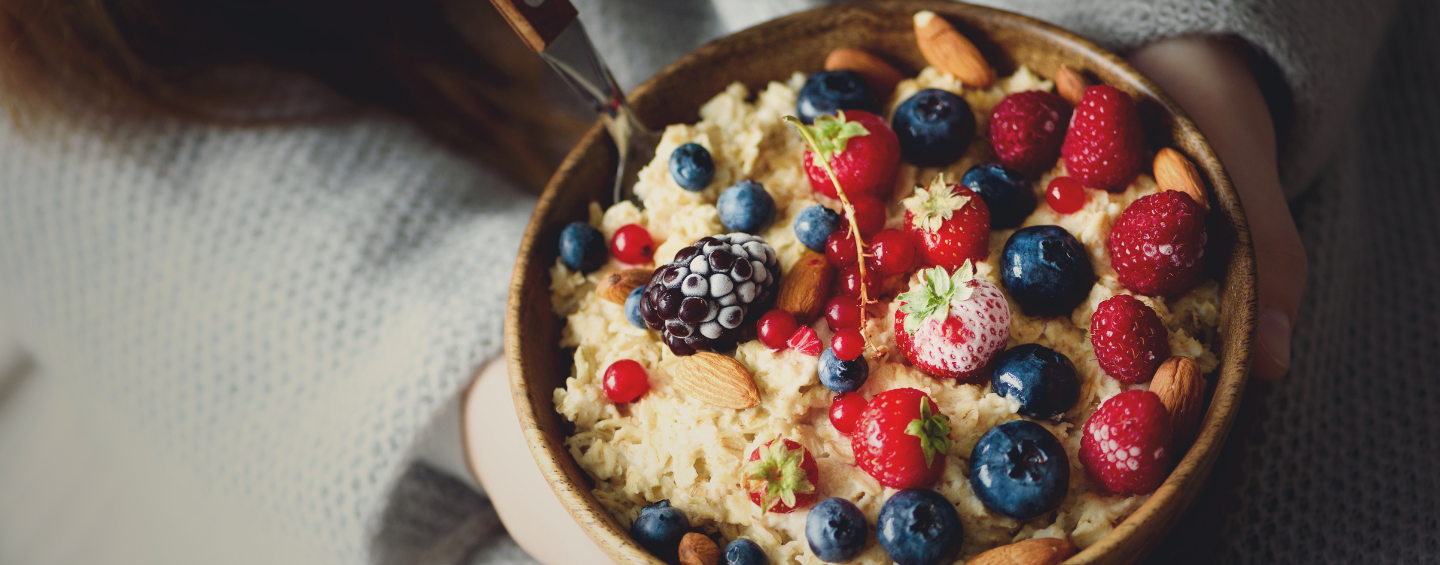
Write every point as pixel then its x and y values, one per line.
pixel 279 315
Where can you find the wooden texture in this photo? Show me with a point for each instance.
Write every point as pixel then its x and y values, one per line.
pixel 801 42
pixel 537 25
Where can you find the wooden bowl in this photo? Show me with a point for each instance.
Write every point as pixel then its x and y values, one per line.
pixel 771 52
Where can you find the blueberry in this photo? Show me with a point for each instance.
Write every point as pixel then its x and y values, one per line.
pixel 746 207
pixel 918 527
pixel 1019 470
pixel 842 376
pixel 632 307
pixel 826 92
pixel 1042 379
pixel 835 530
pixel 1005 192
pixel 934 126
pixel 659 529
pixel 582 247
pixel 692 167
pixel 814 225
pixel 743 552
pixel 1046 270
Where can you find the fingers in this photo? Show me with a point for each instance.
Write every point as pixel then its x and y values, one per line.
pixel 1214 83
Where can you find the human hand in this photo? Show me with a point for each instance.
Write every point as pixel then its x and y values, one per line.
pixel 1216 86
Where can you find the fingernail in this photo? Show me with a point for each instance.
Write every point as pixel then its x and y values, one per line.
pixel 1274 336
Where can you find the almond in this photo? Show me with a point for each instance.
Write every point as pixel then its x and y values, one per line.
pixel 1070 84
pixel 1038 551
pixel 945 49
pixel 878 74
pixel 1181 388
pixel 717 380
pixel 1174 172
pixel 803 289
pixel 696 549
pixel 617 285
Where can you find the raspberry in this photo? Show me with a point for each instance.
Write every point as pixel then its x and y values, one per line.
pixel 805 341
pixel 1157 246
pixel 1125 445
pixel 1130 341
pixel 1026 130
pixel 1104 146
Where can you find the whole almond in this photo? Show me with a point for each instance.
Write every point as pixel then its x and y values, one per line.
pixel 1181 388
pixel 1174 172
pixel 878 74
pixel 803 289
pixel 697 549
pixel 616 286
pixel 1038 551
pixel 1070 84
pixel 717 380
pixel 946 49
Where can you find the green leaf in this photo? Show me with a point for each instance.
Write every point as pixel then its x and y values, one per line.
pixel 832 134
pixel 933 431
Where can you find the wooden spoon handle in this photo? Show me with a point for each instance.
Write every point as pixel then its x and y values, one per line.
pixel 537 21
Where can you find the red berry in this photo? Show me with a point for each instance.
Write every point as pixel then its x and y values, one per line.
pixel 840 248
pixel 776 327
pixel 625 380
pixel 850 281
pixel 1026 130
pixel 865 163
pixel 885 446
pixel 781 478
pixel 805 341
pixel 843 312
pixel 845 411
pixel 949 224
pixel 869 214
pixel 1105 145
pixel 632 244
pixel 1065 195
pixel 893 251
pixel 848 344
pixel 952 325
pixel 1130 340
pixel 1125 445
pixel 1157 246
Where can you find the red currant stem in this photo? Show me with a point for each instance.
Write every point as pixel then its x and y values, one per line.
pixel 849 213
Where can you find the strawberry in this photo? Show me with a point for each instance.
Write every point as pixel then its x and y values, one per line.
pixel 952 325
pixel 1104 146
pixel 861 148
pixel 1125 444
pixel 805 341
pixel 1130 340
pixel 951 224
pixel 781 478
pixel 1157 246
pixel 1026 130
pixel 901 439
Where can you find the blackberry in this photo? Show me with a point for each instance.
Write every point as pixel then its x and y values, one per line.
pixel 701 299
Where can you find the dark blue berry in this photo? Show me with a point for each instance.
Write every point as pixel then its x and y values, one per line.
pixel 1041 379
pixel 659 529
pixel 934 127
pixel 632 307
pixel 582 247
pixel 814 225
pixel 743 552
pixel 835 530
pixel 826 92
pixel 918 527
pixel 1046 270
pixel 692 167
pixel 1005 192
pixel 842 376
pixel 1019 470
pixel 746 207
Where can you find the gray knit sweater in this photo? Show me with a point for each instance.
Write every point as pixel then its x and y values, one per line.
pixel 278 316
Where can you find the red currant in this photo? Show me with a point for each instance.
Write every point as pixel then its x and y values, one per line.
pixel 625 381
pixel 840 248
pixel 776 327
pixel 894 252
pixel 850 281
pixel 1065 195
pixel 848 344
pixel 843 312
pixel 869 214
pixel 632 244
pixel 845 411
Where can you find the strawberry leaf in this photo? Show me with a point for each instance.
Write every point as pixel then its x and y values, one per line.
pixel 832 134
pixel 932 298
pixel 933 431
pixel 778 472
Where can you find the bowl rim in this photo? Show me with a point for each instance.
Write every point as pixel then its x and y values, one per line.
pixel 1127 541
